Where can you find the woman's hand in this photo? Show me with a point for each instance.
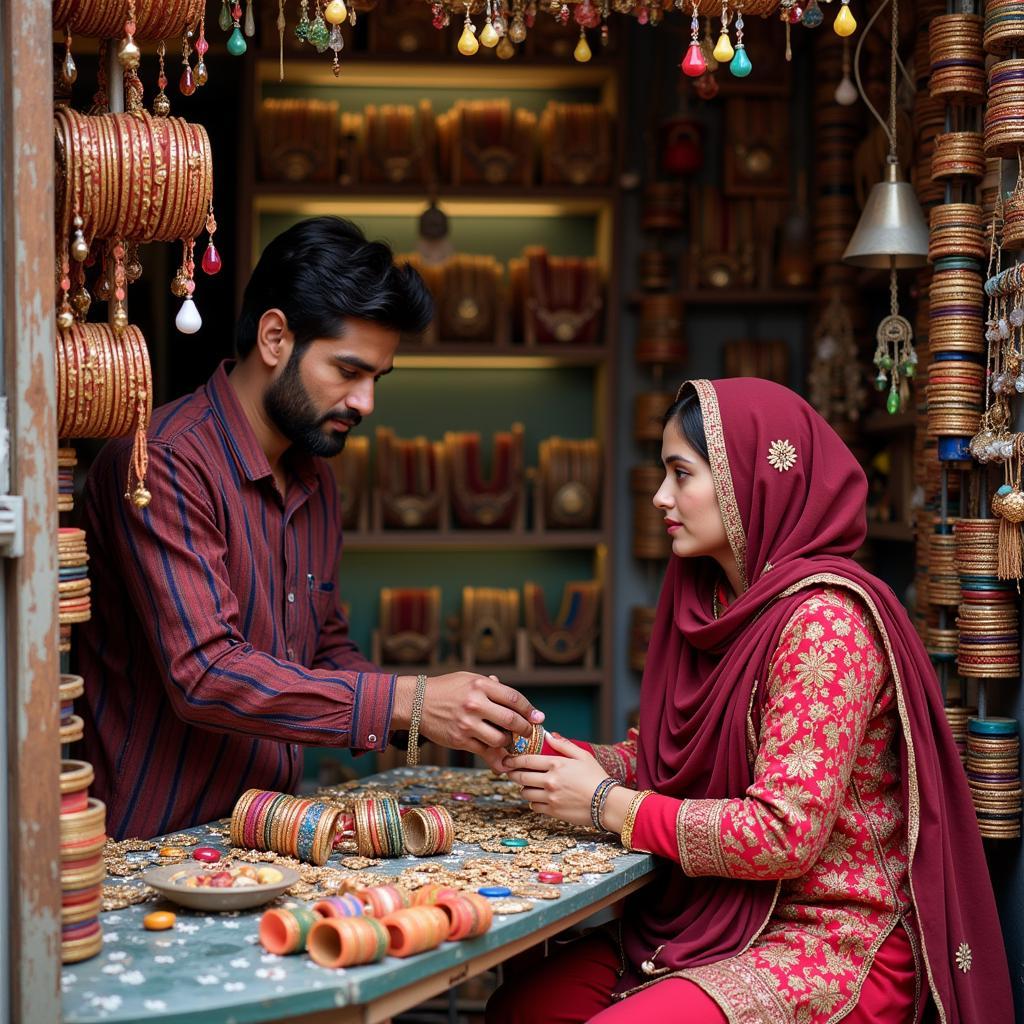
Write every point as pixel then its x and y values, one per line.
pixel 561 787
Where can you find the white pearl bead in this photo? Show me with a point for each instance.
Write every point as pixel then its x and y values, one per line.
pixel 188 320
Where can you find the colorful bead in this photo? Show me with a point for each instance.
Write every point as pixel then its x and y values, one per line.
pixel 495 891
pixel 159 921
pixel 549 877
pixel 515 843
pixel 206 854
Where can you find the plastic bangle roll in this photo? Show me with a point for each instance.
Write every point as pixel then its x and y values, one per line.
pixel 346 941
pixel 378 828
pixel 428 895
pixel 415 930
pixel 348 905
pixel 428 831
pixel 284 930
pixel 469 915
pixel 381 900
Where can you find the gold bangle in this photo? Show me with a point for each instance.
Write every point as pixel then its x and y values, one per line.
pixel 412 752
pixel 629 821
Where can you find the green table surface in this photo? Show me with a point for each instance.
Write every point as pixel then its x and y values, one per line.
pixel 211 968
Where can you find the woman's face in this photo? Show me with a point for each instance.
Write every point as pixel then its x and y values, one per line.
pixel 688 500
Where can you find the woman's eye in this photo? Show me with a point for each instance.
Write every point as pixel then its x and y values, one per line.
pixel 681 473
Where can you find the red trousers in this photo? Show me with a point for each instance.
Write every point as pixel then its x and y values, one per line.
pixel 574 983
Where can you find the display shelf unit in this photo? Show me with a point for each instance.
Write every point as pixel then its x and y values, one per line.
pixel 575 382
pixel 738 297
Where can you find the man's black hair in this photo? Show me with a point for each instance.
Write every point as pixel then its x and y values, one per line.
pixel 322 272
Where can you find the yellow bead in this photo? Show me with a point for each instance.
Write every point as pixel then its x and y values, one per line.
pixel 845 23
pixel 159 921
pixel 141 497
pixel 506 49
pixel 582 52
pixel 488 36
pixel 65 319
pixel 723 51
pixel 336 12
pixel 468 44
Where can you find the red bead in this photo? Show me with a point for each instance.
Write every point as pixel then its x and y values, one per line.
pixel 795 14
pixel 212 262
pixel 206 854
pixel 221 880
pixel 187 85
pixel 550 877
pixel 202 46
pixel 694 65
pixel 643 17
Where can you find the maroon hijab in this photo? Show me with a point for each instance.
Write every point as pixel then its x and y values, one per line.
pixel 793 498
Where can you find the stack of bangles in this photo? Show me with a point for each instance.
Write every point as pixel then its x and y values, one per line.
pixel 378 828
pixel 82 835
pixel 629 821
pixel 288 825
pixel 598 800
pixel 428 831
pixel 71 725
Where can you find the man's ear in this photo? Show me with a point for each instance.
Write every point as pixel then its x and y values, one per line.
pixel 273 339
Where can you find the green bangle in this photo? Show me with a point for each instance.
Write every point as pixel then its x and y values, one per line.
pixel 412 752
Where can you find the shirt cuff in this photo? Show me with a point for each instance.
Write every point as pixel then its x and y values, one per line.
pixel 372 705
pixel 655 826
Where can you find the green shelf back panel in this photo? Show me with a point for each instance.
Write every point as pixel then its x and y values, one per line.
pixel 354 98
pixel 504 238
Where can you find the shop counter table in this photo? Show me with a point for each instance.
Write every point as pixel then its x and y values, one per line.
pixel 210 968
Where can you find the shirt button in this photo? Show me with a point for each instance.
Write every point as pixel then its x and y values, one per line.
pixel 291 598
pixel 291 653
pixel 371 738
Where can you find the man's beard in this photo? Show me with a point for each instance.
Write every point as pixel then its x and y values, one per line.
pixel 288 404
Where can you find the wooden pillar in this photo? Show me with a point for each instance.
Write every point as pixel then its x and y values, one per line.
pixel 30 582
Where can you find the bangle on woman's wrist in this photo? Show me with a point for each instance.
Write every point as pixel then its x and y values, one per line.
pixel 629 821
pixel 597 801
pixel 412 751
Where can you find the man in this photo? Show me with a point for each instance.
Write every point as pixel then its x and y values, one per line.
pixel 217 645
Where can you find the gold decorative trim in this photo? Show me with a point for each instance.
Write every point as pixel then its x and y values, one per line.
pixel 741 992
pixel 698 836
pixel 722 474
pixel 914 824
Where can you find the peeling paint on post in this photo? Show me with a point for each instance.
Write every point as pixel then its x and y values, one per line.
pixel 32 667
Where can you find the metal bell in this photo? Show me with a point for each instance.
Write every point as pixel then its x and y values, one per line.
pixel 892 231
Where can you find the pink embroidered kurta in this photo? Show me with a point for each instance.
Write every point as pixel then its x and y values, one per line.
pixel 822 817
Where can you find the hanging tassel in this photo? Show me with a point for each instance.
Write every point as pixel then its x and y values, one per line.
pixel 1010 565
pixel 140 496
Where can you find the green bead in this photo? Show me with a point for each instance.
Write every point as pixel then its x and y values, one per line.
pixel 740 65
pixel 909 369
pixel 516 843
pixel 886 362
pixel 302 31
pixel 319 35
pixel 881 381
pixel 236 43
pixel 225 17
pixel 892 403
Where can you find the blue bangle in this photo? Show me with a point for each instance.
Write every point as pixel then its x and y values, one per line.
pixel 307 831
pixel 597 801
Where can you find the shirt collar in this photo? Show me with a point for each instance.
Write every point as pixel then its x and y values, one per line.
pixel 249 453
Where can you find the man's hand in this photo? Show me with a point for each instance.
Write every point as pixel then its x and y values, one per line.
pixel 466 711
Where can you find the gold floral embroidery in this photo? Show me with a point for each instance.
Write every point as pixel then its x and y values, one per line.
pixel 698 835
pixel 964 957
pixel 781 455
pixel 722 474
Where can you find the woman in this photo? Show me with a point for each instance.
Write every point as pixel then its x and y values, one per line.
pixel 794 773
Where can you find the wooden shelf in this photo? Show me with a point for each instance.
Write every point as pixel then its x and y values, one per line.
pixel 547 675
pixel 520 193
pixel 898 532
pixel 738 297
pixel 473 540
pixel 454 355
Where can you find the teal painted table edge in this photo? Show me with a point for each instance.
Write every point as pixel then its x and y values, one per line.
pixel 210 969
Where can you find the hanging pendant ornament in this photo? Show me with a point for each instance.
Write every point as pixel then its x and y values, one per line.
pixel 161 104
pixel 224 19
pixel 211 262
pixel 895 358
pixel 236 41
pixel 582 52
pixel 132 263
pixel 79 246
pixel 337 44
pixel 336 12
pixel 723 50
pixel 506 49
pixel 188 320
pixel 845 23
pixel 488 34
pixel 250 20
pixel 319 33
pixel 694 65
pixel 119 319
pixel 202 76
pixel 468 44
pixel 740 65
pixel 68 68
pixel 187 84
pixel 846 91
pixel 81 300
pixel 303 26
pixel 812 15
pixel 128 54
pixel 65 317
pixel 282 24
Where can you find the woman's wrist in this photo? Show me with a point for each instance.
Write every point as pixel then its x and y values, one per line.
pixel 615 808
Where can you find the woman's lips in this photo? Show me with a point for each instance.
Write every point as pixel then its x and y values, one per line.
pixel 672 525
